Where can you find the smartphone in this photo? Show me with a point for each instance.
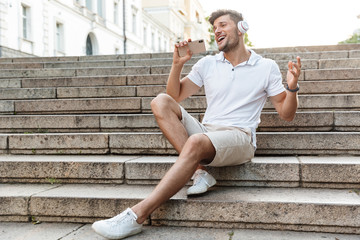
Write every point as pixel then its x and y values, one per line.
pixel 197 46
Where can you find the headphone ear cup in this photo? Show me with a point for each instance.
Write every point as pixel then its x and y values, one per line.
pixel 243 26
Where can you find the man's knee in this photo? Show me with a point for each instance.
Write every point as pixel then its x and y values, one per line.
pixel 160 101
pixel 162 104
pixel 200 147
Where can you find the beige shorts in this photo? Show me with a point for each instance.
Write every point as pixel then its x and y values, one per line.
pixel 233 145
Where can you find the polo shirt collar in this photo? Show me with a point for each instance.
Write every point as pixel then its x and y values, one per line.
pixel 254 57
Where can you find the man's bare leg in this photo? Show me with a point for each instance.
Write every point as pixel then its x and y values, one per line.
pixel 192 150
pixel 197 148
pixel 168 116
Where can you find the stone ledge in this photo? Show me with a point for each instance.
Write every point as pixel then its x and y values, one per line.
pixel 71 231
pixel 316 209
pixel 287 171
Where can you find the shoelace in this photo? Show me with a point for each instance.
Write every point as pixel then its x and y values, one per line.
pixel 114 222
pixel 198 178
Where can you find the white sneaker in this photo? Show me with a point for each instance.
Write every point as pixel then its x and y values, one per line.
pixel 202 181
pixel 118 227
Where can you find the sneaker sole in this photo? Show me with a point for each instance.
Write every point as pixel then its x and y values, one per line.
pixel 115 238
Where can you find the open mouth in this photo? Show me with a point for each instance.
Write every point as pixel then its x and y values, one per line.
pixel 220 39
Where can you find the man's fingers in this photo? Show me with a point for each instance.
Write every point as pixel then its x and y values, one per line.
pixel 184 43
pixel 290 65
pixel 189 53
pixel 298 61
pixel 297 66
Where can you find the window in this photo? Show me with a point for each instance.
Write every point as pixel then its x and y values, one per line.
pixel 198 17
pixel 59 37
pixel 89 46
pixel 88 4
pixel 134 22
pixel 153 41
pixel 116 13
pixel 100 8
pixel 145 36
pixel 26 22
pixel 159 45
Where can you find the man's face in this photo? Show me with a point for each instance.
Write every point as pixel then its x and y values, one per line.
pixel 226 33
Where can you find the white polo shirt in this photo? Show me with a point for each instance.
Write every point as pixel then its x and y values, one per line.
pixel 236 95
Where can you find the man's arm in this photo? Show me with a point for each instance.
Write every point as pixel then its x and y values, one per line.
pixel 176 88
pixel 286 102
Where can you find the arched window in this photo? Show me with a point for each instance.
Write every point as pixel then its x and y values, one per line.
pixel 89 46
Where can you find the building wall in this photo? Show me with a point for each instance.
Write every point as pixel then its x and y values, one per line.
pixel 185 18
pixel 62 27
pixel 196 27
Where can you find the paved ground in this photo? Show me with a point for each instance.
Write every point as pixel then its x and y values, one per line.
pixel 69 231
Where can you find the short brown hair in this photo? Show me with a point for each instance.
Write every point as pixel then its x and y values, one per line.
pixel 234 15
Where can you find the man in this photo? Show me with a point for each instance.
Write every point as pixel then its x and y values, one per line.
pixel 237 83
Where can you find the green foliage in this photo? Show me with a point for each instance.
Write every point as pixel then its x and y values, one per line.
pixel 247 41
pixel 357 191
pixel 53 180
pixel 231 234
pixel 34 220
pixel 355 38
pixel 212 43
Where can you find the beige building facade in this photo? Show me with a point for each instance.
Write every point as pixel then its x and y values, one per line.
pixel 96 27
pixel 185 18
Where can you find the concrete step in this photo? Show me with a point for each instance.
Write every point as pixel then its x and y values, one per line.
pixel 308 52
pixel 154 143
pixel 305 209
pixel 329 87
pixel 154 79
pixel 97 68
pixel 283 65
pixel 27 93
pixel 331 74
pixel 306 102
pixel 86 105
pixel 307 87
pixel 339 63
pixel 291 56
pixel 68 72
pixel 318 102
pixel 300 49
pixel 112 62
pixel 83 58
pixel 307 172
pixel 69 81
pixel 158 79
pixel 268 143
pixel 270 122
pixel 78 231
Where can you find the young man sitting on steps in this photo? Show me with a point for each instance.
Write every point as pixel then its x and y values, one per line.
pixel 237 83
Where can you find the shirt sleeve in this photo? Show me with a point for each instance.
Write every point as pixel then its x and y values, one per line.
pixel 275 85
pixel 196 75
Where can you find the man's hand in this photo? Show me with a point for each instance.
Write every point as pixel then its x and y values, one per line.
pixel 293 73
pixel 177 60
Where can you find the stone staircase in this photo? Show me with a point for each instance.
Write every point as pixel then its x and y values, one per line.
pixel 79 143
